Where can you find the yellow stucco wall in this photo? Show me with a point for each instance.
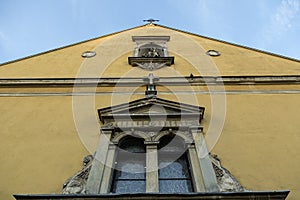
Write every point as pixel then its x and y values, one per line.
pixel 43 145
pixel 260 141
pixel 39 147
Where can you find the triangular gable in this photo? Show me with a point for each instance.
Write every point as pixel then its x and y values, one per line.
pixel 64 62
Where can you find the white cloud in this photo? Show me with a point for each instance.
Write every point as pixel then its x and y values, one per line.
pixel 285 14
pixel 283 20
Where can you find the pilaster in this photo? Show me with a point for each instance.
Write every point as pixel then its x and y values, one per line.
pixel 152 184
pixel 208 173
pixel 99 162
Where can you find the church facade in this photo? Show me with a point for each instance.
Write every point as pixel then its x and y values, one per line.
pixel 150 112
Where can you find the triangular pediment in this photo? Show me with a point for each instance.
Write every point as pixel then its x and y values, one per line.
pixel 150 107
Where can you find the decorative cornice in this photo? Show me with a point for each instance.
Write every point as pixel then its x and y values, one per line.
pixel 266 195
pixel 167 81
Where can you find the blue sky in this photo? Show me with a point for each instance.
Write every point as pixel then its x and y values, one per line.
pixel 28 27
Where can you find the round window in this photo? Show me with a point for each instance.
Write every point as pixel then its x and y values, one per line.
pixel 88 54
pixel 213 53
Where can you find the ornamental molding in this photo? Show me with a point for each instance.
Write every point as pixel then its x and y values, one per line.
pixel 151 137
pixel 146 124
pixel 77 183
pixel 226 181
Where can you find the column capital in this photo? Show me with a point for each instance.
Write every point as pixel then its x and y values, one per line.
pixel 107 130
pixel 196 129
pixel 151 143
pixel 191 145
pixel 112 145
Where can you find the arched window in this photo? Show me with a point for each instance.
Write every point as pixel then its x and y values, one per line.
pixel 174 171
pixel 129 174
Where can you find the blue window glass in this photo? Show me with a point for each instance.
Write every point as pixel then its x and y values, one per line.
pixel 174 172
pixel 129 174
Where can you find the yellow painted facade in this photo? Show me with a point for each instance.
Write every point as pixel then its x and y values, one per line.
pixel 45 131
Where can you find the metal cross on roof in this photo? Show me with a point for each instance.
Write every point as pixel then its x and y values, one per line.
pixel 151 20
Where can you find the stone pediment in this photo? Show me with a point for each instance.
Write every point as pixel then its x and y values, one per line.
pixel 153 107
